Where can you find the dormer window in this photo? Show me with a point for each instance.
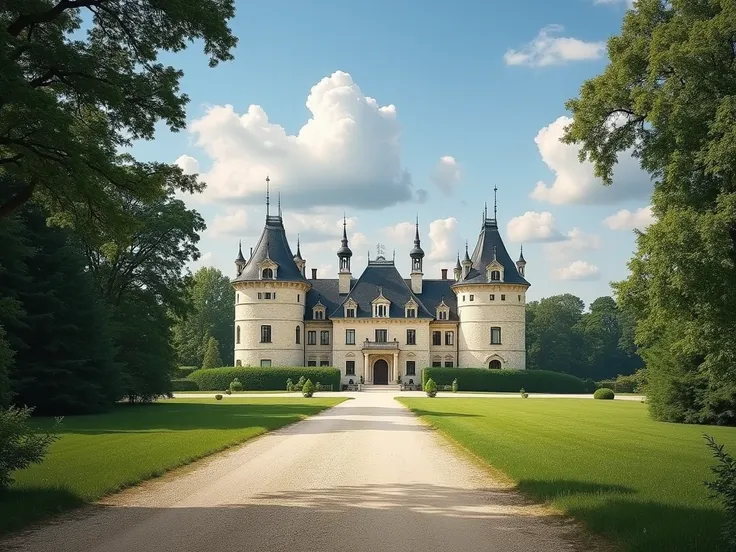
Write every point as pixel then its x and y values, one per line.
pixel 494 272
pixel 411 313
pixel 319 311
pixel 380 305
pixel 351 308
pixel 410 309
pixel 443 311
pixel 495 275
pixel 267 274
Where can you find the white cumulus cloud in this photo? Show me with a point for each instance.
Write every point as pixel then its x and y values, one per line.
pixel 347 153
pixel 578 270
pixel 547 49
pixel 443 237
pixel 575 182
pixel 188 164
pixel 446 174
pixel 628 220
pixel 534 227
pixel 576 242
pixel 234 222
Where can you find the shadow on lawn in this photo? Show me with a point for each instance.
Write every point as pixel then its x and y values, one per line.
pixel 18 505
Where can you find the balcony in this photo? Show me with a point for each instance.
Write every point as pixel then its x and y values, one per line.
pixel 380 345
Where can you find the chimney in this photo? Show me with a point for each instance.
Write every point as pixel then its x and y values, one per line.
pixel 444 274
pixel 314 274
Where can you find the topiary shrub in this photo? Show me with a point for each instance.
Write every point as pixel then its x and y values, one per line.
pixel 430 388
pixel 454 385
pixel 724 488
pixel 604 393
pixel 21 445
pixel 228 392
pixel 218 397
pixel 308 388
pixel 289 385
pixel 264 379
pixel 184 385
pixel 524 394
pixel 236 386
pixel 509 381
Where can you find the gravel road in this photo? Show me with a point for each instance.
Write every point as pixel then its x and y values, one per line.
pixel 366 475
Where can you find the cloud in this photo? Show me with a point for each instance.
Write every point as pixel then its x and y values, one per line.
pixel 188 164
pixel 533 227
pixel 627 3
pixel 233 222
pixel 575 182
pixel 626 220
pixel 348 153
pixel 446 174
pixel 576 242
pixel 401 233
pixel 546 50
pixel 443 239
pixel 578 270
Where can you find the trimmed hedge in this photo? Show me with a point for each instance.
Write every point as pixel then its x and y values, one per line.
pixel 484 379
pixel 183 371
pixel 263 379
pixel 604 394
pixel 184 385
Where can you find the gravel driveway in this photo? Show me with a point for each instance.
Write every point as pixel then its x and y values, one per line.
pixel 363 476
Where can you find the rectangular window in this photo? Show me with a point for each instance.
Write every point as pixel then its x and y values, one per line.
pixel 463 298
pixel 311 363
pixel 350 313
pixel 411 313
pixel 324 337
pixel 448 364
pixel 437 338
pixel 267 295
pixel 319 315
pixel 443 315
pixel 495 336
pixel 411 337
pixel 381 336
pixel 411 368
pixel 436 364
pixel 260 295
pixel 493 297
pixel 265 334
pixel 503 297
pixel 449 338
pixel 472 297
pixel 519 298
pixel 298 298
pixel 311 338
pixel 381 311
pixel 349 367
pixel 266 363
pixel 349 337
pixel 324 362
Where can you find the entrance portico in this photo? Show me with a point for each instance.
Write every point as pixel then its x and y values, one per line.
pixel 380 362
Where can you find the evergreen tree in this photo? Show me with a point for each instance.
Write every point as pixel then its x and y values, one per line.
pixel 212 354
pixel 6 362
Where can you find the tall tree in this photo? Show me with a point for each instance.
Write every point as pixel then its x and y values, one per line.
pixel 211 314
pixel 668 94
pixel 80 81
pixel 212 354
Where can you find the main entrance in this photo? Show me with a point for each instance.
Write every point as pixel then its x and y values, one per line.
pixel 380 372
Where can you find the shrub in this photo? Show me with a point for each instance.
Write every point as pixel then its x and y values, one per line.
pixel 228 392
pixel 524 394
pixel 430 388
pixel 218 397
pixel 236 386
pixel 289 385
pixel 510 381
pixel 212 354
pixel 604 393
pixel 308 388
pixel 724 488
pixel 20 445
pixel 184 385
pixel 454 385
pixel 184 371
pixel 264 379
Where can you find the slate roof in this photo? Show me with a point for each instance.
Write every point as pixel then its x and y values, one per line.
pixel 273 243
pixel 434 292
pixel 489 241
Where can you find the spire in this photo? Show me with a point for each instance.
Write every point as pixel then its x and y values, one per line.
pixel 485 210
pixel 416 232
pixel 344 253
pixel 268 196
pixel 344 230
pixel 279 203
pixel 457 264
pixel 298 256
pixel 521 255
pixel 467 257
pixel 417 253
pixel 495 202
pixel 240 253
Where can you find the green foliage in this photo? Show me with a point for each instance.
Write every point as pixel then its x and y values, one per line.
pixel 6 362
pixel 289 385
pixel 724 487
pixel 308 389
pixel 480 379
pixel 236 386
pixel 637 482
pixel 604 394
pixel 212 354
pixel 678 113
pixel 265 379
pixel 523 393
pixel 20 444
pixel 218 397
pixel 184 385
pixel 184 371
pixel 212 299
pixel 454 385
pixel 81 83
pixel 430 388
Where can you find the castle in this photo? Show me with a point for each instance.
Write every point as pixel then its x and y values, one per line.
pixel 379 326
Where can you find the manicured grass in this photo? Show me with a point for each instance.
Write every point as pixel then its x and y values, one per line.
pixel 634 480
pixel 98 455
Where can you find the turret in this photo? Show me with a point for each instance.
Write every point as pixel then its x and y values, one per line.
pixel 521 263
pixel 344 254
pixel 240 260
pixel 416 254
pixel 300 263
pixel 467 263
pixel 458 272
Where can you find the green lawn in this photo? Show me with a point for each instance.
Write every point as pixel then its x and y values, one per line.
pixel 100 454
pixel 634 480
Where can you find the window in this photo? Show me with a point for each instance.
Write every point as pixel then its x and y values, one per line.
pixel 265 334
pixel 448 364
pixel 381 336
pixel 492 297
pixel 495 364
pixel 437 338
pixel 311 363
pixel 411 368
pixel 472 297
pixel 495 336
pixel 442 315
pixel 324 337
pixel 349 367
pixel 349 337
pixel 266 363
pixel 238 363
pixel 237 298
pixel 298 298
pixel 519 298
pixel 411 313
pixel 267 295
pixel 324 362
pixel 436 364
pixel 449 338
pixel 267 274
pixel 298 335
pixel 495 276
pixel 260 295
pixel 463 298
pixel 411 337
pixel 237 334
pixel 350 313
pixel 381 311
pixel 503 297
pixel 319 314
pixel 311 338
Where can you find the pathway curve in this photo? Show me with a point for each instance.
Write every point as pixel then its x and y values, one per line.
pixel 364 476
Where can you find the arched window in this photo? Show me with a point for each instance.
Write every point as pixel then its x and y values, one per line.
pixel 495 364
pixel 496 276
pixel 267 274
pixel 237 334
pixel 298 335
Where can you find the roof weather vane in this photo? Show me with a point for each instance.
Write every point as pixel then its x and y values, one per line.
pixel 380 249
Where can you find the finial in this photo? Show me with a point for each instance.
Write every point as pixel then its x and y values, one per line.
pixel 485 210
pixel 494 252
pixel 268 195
pixel 394 256
pixel 298 247
pixel 495 202
pixel 279 203
pixel 466 247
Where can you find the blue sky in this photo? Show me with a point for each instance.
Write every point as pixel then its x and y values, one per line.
pixel 472 85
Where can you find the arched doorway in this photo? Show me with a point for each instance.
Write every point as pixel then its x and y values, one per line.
pixel 495 364
pixel 380 372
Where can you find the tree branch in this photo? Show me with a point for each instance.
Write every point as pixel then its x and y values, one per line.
pixel 17 200
pixel 26 20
